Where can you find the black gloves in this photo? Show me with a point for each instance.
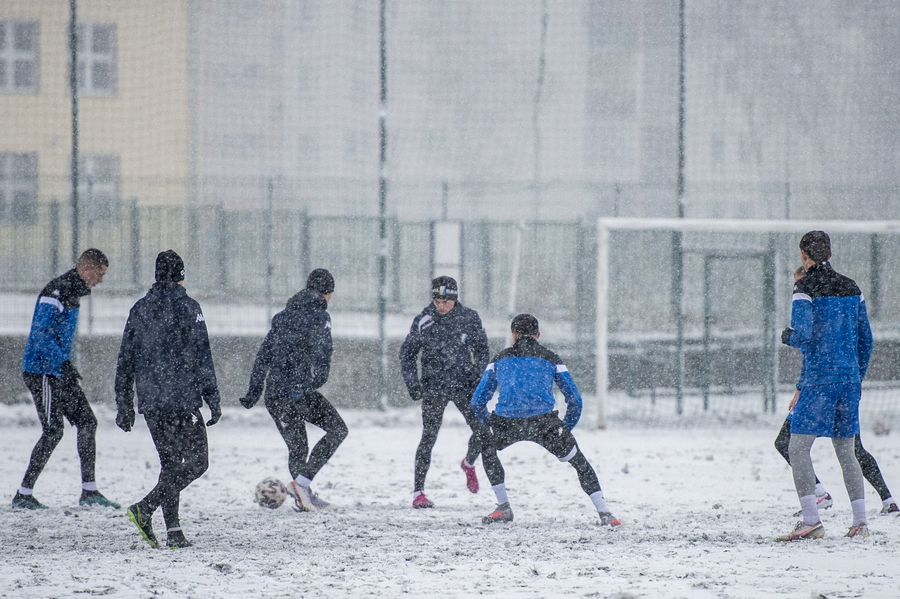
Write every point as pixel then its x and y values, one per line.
pixel 68 371
pixel 415 393
pixel 247 401
pixel 786 335
pixel 125 418
pixel 215 412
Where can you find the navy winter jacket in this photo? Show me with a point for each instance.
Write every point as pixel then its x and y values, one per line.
pixel 831 326
pixel 454 350
pixel 165 354
pixel 295 357
pixel 53 325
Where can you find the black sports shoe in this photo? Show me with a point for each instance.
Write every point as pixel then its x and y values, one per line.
pixel 503 513
pixel 27 502
pixel 144 523
pixel 175 539
pixel 96 498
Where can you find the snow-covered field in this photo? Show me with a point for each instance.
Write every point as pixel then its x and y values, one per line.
pixel 700 508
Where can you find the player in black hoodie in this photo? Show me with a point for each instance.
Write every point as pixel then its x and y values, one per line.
pixel 454 352
pixel 293 362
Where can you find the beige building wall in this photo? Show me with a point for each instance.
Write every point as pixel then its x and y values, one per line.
pixel 145 122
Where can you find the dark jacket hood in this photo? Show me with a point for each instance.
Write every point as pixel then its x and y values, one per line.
pixel 307 299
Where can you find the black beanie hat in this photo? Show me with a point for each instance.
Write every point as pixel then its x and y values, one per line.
pixel 169 267
pixel 320 280
pixel 444 288
pixel 524 324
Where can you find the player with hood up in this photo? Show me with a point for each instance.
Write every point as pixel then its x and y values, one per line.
pixel 293 361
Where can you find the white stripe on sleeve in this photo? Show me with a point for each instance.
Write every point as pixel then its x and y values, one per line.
pixel 800 297
pixel 52 301
pixel 561 368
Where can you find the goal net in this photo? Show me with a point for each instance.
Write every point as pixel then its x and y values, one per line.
pixel 689 315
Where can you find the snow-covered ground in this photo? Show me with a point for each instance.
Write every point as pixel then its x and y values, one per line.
pixel 700 507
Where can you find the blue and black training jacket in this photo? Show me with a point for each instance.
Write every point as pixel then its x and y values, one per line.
pixel 828 315
pixel 53 325
pixel 524 374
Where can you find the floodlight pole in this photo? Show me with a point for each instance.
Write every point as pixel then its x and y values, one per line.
pixel 382 217
pixel 73 86
pixel 677 248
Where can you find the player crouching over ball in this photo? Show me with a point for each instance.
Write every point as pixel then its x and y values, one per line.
pixel 524 374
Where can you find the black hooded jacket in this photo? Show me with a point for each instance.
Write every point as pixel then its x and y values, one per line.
pixel 454 350
pixel 165 354
pixel 295 357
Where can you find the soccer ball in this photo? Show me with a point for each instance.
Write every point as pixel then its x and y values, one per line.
pixel 270 493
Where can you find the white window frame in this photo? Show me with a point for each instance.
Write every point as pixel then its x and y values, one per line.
pixel 15 183
pixel 98 187
pixel 91 59
pixel 13 58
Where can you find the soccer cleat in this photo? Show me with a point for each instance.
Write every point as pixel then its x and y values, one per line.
pixel 420 501
pixel 96 498
pixel 471 477
pixel 607 519
pixel 302 500
pixel 823 502
pixel 320 503
pixel 890 509
pixel 175 539
pixel 858 531
pixel 27 502
pixel 804 531
pixel 144 523
pixel 503 513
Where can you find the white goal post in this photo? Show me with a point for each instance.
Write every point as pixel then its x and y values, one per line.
pixel 606 225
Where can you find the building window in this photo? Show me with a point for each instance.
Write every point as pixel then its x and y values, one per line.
pixel 19 56
pixel 18 187
pixel 98 187
pixel 96 46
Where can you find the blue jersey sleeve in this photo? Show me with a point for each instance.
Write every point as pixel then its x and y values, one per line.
pixel 864 340
pixel 484 392
pixel 573 398
pixel 801 320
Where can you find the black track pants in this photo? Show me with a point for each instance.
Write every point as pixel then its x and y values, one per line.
pixel 433 407
pixel 183 450
pixel 57 398
pixel 291 415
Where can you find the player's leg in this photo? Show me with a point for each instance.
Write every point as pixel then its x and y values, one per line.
pixel 432 416
pixel 782 441
pixel 317 410
pixel 164 432
pixel 42 388
pixel 189 441
pixel 292 428
pixel 476 441
pixel 872 473
pixel 494 439
pixel 810 526
pixel 853 480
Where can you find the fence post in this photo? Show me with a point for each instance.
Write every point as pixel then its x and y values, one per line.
pixel 54 237
pixel 135 245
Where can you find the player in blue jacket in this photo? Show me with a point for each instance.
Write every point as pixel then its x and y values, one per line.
pixel 525 374
pixel 449 341
pixel 829 324
pixel 293 361
pixel 53 381
pixel 871 471
pixel 165 356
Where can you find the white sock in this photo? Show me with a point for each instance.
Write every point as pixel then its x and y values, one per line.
pixel 599 501
pixel 887 502
pixel 91 486
pixel 820 490
pixel 500 492
pixel 24 491
pixel 859 511
pixel 303 481
pixel 808 507
pixel 468 465
pixel 174 529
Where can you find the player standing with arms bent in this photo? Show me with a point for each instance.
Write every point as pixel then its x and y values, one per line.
pixel 525 374
pixel 53 381
pixel 830 325
pixel 454 351
pixel 293 361
pixel 165 354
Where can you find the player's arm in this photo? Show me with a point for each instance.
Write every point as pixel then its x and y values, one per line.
pixel 202 363
pixel 481 351
pixel 409 353
pixel 569 390
pixel 864 339
pixel 801 320
pixel 484 392
pixel 261 366
pixel 124 383
pixel 322 348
